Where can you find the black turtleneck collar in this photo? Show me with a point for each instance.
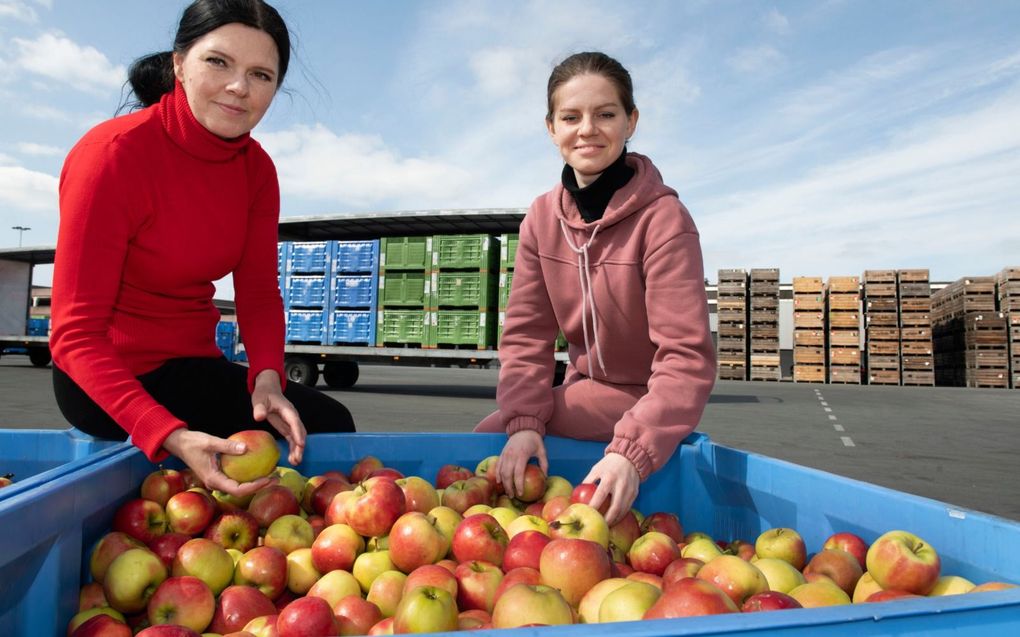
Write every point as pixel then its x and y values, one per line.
pixel 592 199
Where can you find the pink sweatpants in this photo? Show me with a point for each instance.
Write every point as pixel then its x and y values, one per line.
pixel 583 409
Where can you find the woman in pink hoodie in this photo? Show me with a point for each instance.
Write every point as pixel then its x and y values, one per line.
pixel 611 258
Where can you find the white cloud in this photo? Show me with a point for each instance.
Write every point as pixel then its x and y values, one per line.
pixel 358 171
pixel 504 71
pixel 44 112
pixel 758 59
pixel 17 10
pixel 29 190
pixel 6 160
pixel 55 56
pixel 776 22
pixel 39 150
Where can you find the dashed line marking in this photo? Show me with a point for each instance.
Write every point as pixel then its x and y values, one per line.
pixel 838 427
pixel 825 404
pixel 828 409
pixel 847 442
pixel 832 417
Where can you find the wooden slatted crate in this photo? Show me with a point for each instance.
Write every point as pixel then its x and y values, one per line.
pixel 732 320
pixel 763 299
pixel 1007 290
pixel 808 329
pixel 843 303
pixel 917 361
pixel 882 333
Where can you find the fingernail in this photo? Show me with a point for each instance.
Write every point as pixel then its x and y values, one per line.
pixel 239 447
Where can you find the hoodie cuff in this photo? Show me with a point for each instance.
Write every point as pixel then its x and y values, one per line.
pixel 525 423
pixel 151 430
pixel 632 451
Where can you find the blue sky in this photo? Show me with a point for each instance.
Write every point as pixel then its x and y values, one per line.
pixel 823 138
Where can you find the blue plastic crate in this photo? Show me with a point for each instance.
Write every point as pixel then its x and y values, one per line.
pixel 354 327
pixel 36 456
pixel 307 326
pixel 38 327
pixel 307 291
pixel 350 291
pixel 727 493
pixel 351 257
pixel 309 257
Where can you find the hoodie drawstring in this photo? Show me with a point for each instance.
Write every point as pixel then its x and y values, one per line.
pixel 587 296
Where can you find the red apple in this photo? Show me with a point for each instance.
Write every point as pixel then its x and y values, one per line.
pixel 415 541
pixel 264 568
pixel 363 467
pixel 653 552
pixel 184 601
pixel 852 544
pixel 102 626
pixel 425 609
pixel 473 619
pixel 84 616
pixel 238 605
pixel 336 547
pixel 419 495
pixel 743 550
pixel 384 627
pixel 480 537
pixel 387 472
pixel 375 506
pixel 583 493
pixel 143 520
pixel 624 532
pixel 519 575
pixel 450 473
pixel 336 510
pixel 486 468
pixel 258 459
pixel 386 590
pixel 573 566
pixel 159 485
pixel 476 585
pixel 534 484
pixel 524 549
pixel 91 596
pixel 737 578
pixel 189 512
pixel 664 522
pixel 319 492
pixel 889 595
pixel 166 630
pixel 769 600
pixel 691 597
pixel 554 506
pixel 464 494
pixel 903 561
pixel 679 569
pixel 836 564
pixel 272 502
pixel 107 548
pixel 307 617
pixel 431 575
pixel 167 545
pixel 234 530
pixel 355 615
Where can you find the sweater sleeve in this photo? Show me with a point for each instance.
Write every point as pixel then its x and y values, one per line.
pixel 684 365
pixel 99 213
pixel 524 393
pixel 256 284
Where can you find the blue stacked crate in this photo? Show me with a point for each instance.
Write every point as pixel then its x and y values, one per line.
pixel 306 286
pixel 282 254
pixel 226 339
pixel 354 293
pixel 38 326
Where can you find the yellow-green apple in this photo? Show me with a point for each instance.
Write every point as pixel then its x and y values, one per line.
pixel 375 506
pixel 573 566
pixel 264 568
pixel 132 578
pixel 227 502
pixel 505 516
pixel 335 585
pixel 782 543
pixel 419 495
pixel 289 533
pixel 307 617
pixel 463 494
pixel 450 473
pixel 381 543
pixel 691 597
pixel 679 569
pixel 737 578
pixel 234 530
pixel 903 561
pixel 519 575
pixel 292 479
pixel 271 502
pixel 582 494
pixel 363 467
pixel 524 549
pixel 476 585
pixel 554 506
pixel 865 587
pixel 647 578
pixel 264 626
pixel 652 552
pixel 167 545
pixel 356 615
pixel 205 560
pixel 486 468
pixel 189 512
pixel 238 605
pixel 425 609
pixel 479 537
pixel 83 616
pixel 107 548
pixel 822 592
pixel 301 572
pixel 320 491
pixel 336 510
pixel 851 543
pixel 743 550
pixel 101 626
pixel 415 541
pixel 477 508
pixel 664 522
pixel 473 619
pixel 702 549
pixel 258 459
pixel 159 485
pixel 554 486
pixel 534 484
pixel 336 547
pixel 384 627
pixel 696 535
pixel 369 565
pixel 780 574
pixel 624 532
pixel 143 520
pixel 184 601
pixel 526 523
pixel 890 595
pixel 432 575
pixel 836 564
pixel 91 596
pixel 506 502
pixel 234 555
pixel 386 590
pixel 524 604
pixel 992 586
pixel 951 585
pixel 769 600
pixel 629 602
pixel 588 607
pixel 581 521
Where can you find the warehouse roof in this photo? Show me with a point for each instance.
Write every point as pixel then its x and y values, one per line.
pixel 35 255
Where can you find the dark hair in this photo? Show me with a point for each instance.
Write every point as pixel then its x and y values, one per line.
pixel 152 76
pixel 593 63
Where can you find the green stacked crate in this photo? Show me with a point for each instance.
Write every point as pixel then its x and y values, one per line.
pixel 404 291
pixel 464 291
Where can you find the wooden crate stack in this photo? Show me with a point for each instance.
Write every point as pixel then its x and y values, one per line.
pixel 731 312
pixel 917 359
pixel 1007 292
pixel 969 335
pixel 844 313
pixel 808 329
pixel 764 324
pixel 882 327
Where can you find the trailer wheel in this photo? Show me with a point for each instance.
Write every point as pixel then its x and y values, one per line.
pixel 340 374
pixel 40 356
pixel 301 370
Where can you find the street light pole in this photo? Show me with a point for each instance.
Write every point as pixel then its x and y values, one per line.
pixel 21 230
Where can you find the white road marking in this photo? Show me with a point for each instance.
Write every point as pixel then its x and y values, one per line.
pixel 832 417
pixel 828 409
pixel 838 427
pixel 825 404
pixel 847 442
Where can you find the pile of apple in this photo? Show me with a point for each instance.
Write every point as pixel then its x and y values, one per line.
pixel 374 552
pixel 6 479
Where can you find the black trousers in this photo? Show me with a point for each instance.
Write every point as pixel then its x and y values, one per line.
pixel 209 394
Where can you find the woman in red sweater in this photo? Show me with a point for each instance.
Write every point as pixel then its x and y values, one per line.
pixel 612 258
pixel 155 206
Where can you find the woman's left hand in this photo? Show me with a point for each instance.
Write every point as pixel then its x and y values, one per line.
pixel 617 479
pixel 269 403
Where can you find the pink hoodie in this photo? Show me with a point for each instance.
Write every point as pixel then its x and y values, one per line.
pixel 628 292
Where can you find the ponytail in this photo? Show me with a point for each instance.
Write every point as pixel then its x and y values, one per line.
pixel 151 77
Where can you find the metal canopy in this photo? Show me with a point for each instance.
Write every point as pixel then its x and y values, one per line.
pixel 374 225
pixel 36 255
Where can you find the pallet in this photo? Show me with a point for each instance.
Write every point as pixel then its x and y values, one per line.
pixel 990 379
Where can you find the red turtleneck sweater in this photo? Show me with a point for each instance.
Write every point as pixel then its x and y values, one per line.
pixel 153 209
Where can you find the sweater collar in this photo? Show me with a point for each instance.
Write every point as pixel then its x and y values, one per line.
pixel 186 131
pixel 592 199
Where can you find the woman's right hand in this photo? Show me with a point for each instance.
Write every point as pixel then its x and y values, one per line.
pixel 199 451
pixel 518 450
